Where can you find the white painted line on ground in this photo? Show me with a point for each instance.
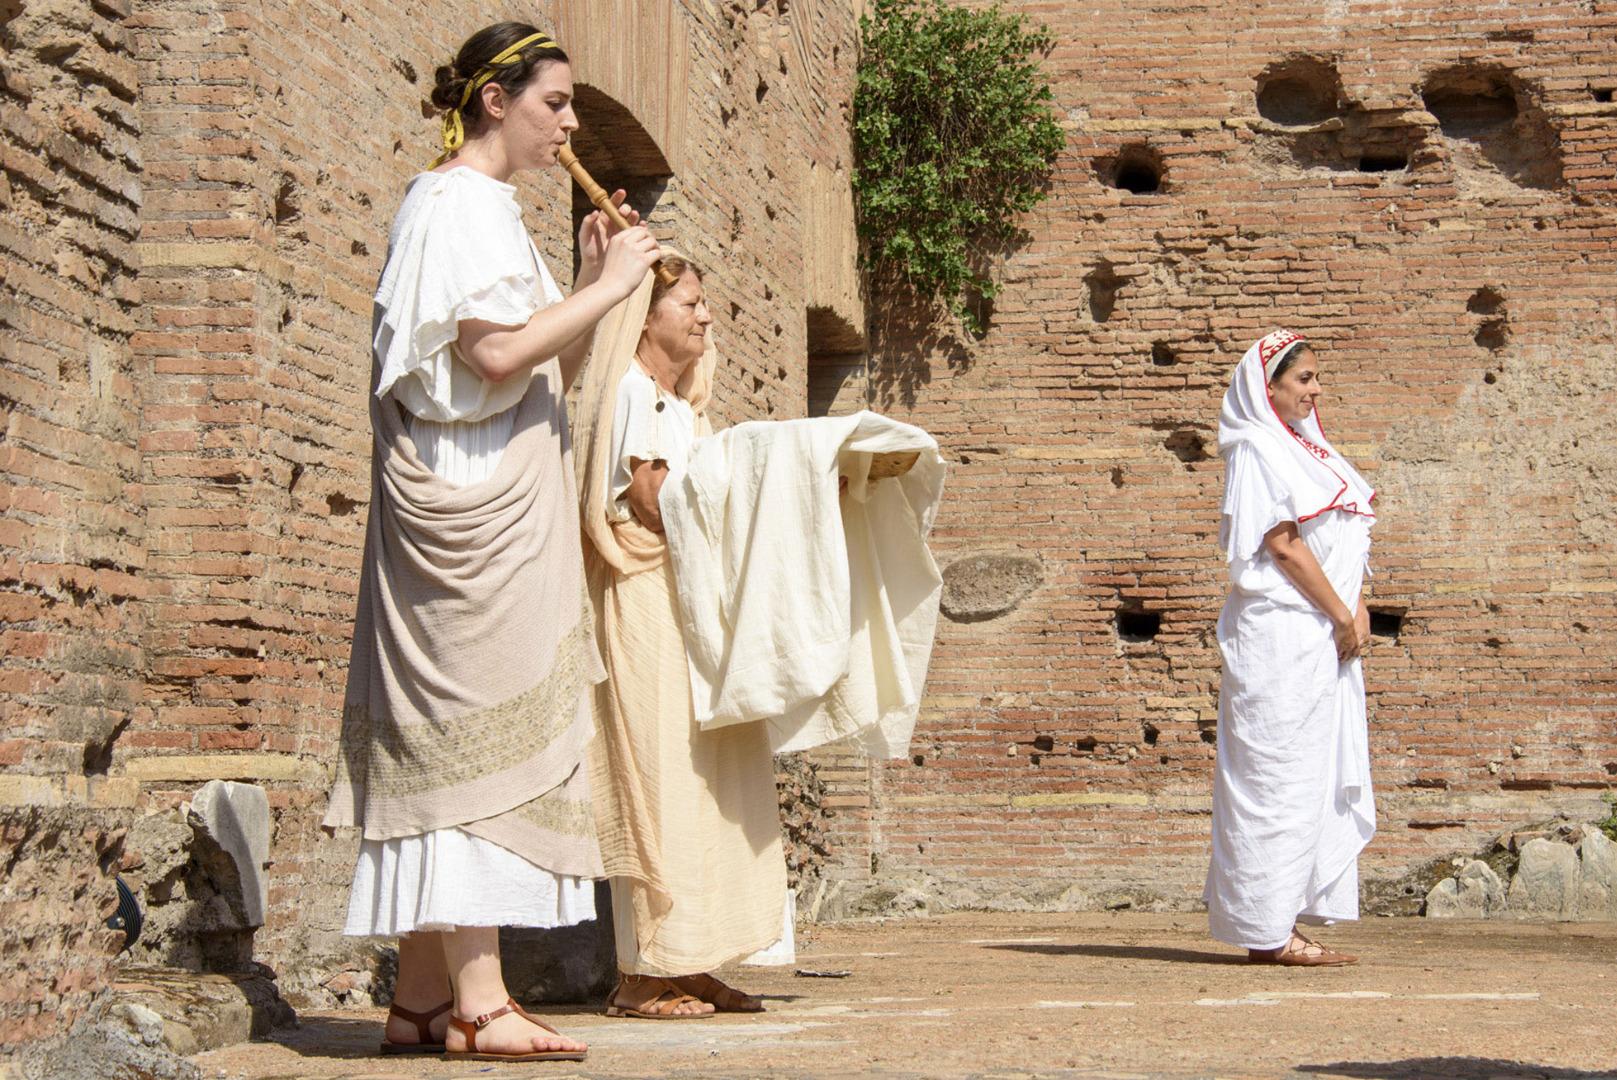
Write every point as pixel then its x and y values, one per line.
pixel 1220 1002
pixel 1084 1004
pixel 1013 941
pixel 1475 997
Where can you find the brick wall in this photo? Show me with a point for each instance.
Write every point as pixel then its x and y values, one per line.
pixel 1429 192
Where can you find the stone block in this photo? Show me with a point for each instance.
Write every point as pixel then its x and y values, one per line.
pixel 1546 881
pixel 1474 893
pixel 1597 876
pixel 236 818
pixel 982 587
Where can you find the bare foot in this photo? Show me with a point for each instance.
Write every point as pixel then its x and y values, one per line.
pixel 719 994
pixel 403 1032
pixel 659 997
pixel 513 1033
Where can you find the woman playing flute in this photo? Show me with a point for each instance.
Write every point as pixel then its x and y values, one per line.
pixel 467 711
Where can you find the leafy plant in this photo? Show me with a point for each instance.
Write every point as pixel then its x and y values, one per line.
pixel 1609 825
pixel 954 136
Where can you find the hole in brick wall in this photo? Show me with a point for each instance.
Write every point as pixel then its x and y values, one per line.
pixel 1150 732
pixel 1509 35
pixel 358 248
pixel 1385 161
pixel 340 505
pixel 735 311
pixel 286 318
pixel 1602 96
pixel 405 68
pixel 1299 91
pixel 428 109
pixel 1485 301
pixel 1387 622
pixel 1137 625
pixel 1103 284
pixel 762 91
pixel 1117 476
pixel 1209 735
pixel 286 200
pixel 1043 743
pixel 1137 169
pixel 1493 334
pixel 1086 744
pixel 1162 355
pixel 1469 104
pixel 1489 108
pixel 294 476
pixel 1490 378
pixel 917 760
pixel 1187 445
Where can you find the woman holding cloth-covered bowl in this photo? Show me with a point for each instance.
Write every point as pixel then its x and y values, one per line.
pixel 1292 804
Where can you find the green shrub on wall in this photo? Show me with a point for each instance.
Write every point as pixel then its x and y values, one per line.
pixel 954 136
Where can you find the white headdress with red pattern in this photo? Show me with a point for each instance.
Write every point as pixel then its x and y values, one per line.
pixel 1299 455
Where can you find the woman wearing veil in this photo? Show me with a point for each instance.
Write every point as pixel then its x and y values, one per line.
pixel 1292 805
pixel 687 819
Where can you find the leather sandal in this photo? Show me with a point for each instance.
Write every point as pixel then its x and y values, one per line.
pixel 425 1043
pixel 470 1028
pixel 660 1007
pixel 1286 956
pixel 719 994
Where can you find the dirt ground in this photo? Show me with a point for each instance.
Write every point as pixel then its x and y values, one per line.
pixel 1091 995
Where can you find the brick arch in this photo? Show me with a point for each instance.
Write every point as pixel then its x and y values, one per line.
pixel 630 59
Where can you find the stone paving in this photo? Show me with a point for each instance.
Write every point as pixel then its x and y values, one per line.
pixel 1088 995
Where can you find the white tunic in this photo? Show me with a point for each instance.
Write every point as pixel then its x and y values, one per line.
pixel 458 250
pixel 1292 801
pixel 650 424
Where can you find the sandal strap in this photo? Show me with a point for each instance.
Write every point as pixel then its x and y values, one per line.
pixel 470 1028
pixel 421 1019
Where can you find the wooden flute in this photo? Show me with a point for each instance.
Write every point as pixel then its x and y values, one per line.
pixel 603 202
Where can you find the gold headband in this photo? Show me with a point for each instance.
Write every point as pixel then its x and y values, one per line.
pixel 454 130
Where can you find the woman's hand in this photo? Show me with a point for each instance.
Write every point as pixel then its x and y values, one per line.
pixel 1352 635
pixel 629 254
pixel 593 235
pixel 1348 643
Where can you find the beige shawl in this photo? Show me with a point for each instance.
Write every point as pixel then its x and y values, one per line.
pixel 624 821
pixel 467 699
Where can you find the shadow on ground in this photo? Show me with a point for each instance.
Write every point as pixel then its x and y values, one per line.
pixel 1452 1068
pixel 331 1037
pixel 1128 952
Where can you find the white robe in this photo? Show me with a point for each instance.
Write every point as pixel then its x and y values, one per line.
pixel 810 612
pixel 1292 801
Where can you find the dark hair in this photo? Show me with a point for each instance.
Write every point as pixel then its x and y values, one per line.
pixel 473 57
pixel 1288 358
pixel 678 264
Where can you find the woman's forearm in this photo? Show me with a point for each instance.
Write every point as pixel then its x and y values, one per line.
pixel 498 352
pixel 1297 562
pixel 645 486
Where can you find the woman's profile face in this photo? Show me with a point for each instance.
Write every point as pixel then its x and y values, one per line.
pixel 1297 390
pixel 677 324
pixel 538 119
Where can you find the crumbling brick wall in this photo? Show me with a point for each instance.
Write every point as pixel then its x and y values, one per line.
pixel 72 534
pixel 1430 193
